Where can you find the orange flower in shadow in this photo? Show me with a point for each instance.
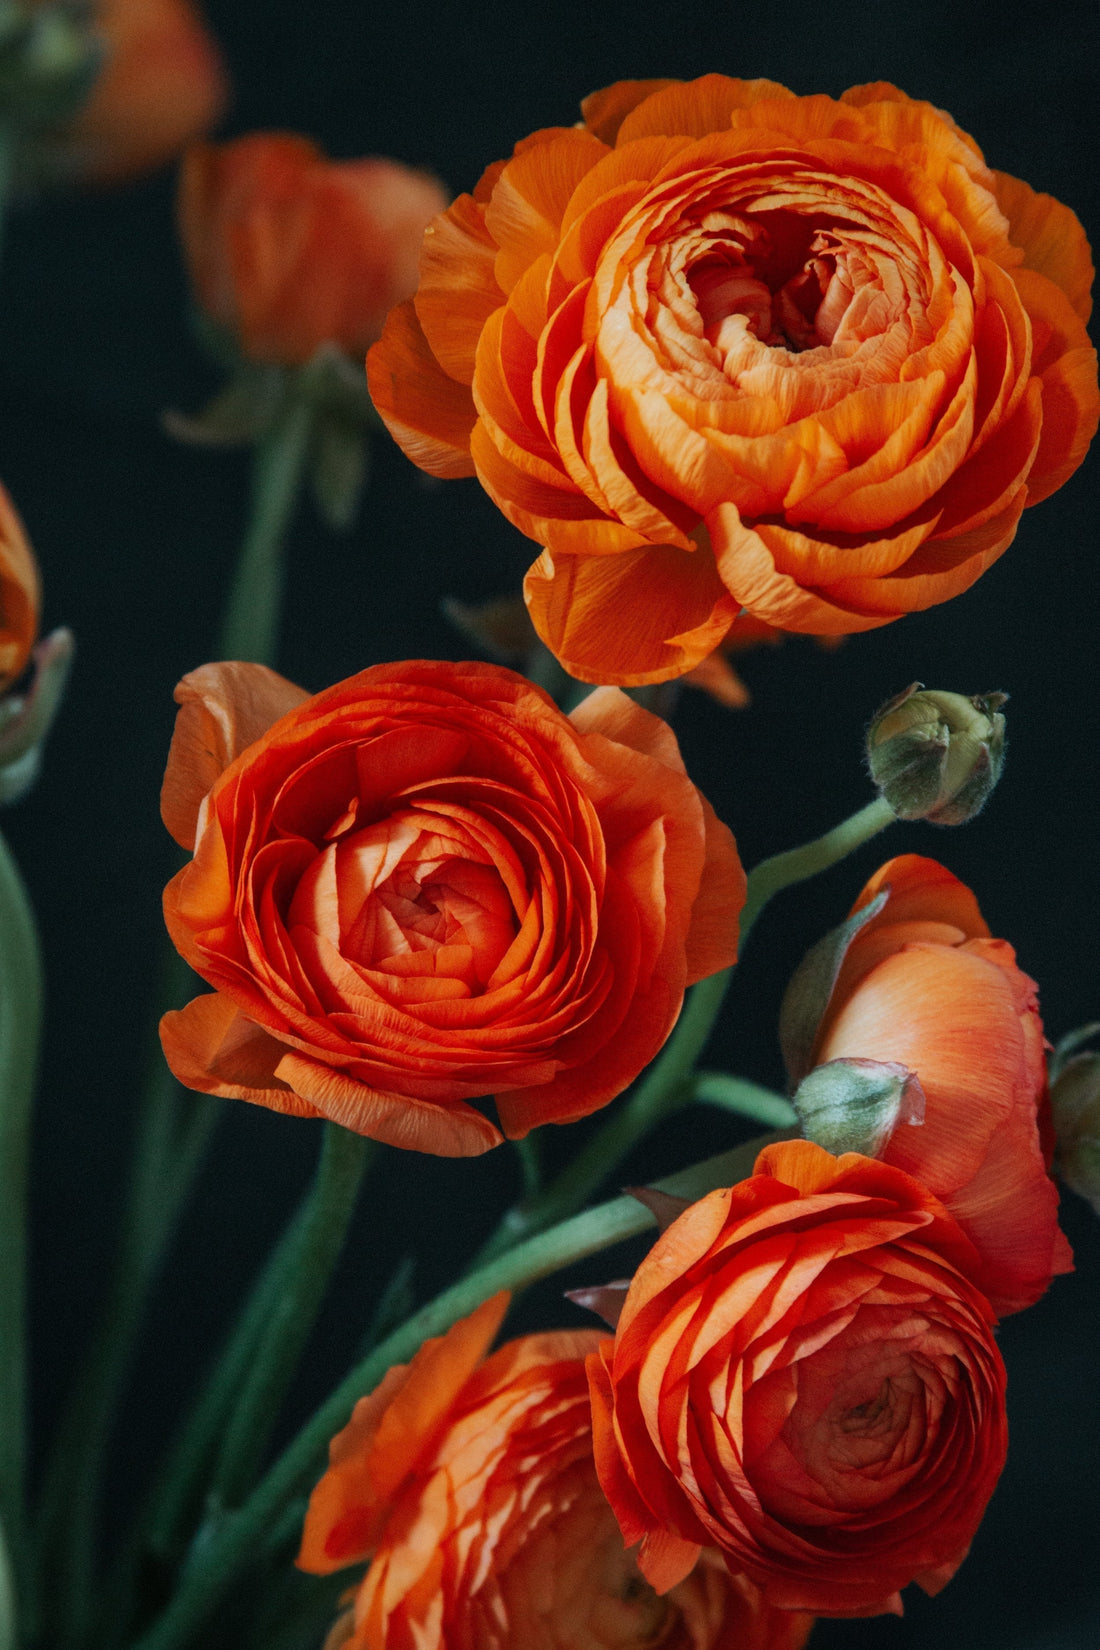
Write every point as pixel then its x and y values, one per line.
pixel 725 348
pixel 804 1377
pixel 923 984
pixel 469 1484
pixel 19 594
pixel 162 84
pixel 427 885
pixel 288 250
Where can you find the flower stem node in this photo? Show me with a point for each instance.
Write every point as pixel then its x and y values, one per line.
pixel 937 756
pixel 1075 1107
pixel 855 1105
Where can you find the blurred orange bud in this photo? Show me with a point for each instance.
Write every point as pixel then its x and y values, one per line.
pixel 288 250
pixel 162 83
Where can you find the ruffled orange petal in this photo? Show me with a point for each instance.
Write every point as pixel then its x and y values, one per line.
pixel 1065 363
pixel 225 708
pixel 458 290
pixel 646 615
pixel 1053 241
pixel 390 1431
pixel 695 108
pixel 456 1130
pixel 604 111
pixel 213 1049
pixel 429 415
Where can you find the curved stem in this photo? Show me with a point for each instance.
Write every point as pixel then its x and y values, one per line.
pixel 239 1534
pixel 296 1302
pixel 666 1086
pixel 797 864
pixel 20 1019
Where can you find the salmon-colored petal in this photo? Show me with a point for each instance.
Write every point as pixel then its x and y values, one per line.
pixel 747 558
pixel 225 708
pixel 428 413
pixel 1065 362
pixel 604 111
pixel 458 290
pixel 643 616
pixel 397 1119
pixel 211 1047
pixel 530 197
pixel 695 108
pixel 1052 239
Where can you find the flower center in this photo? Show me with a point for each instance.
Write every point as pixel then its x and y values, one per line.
pixel 785 283
pixel 627 1614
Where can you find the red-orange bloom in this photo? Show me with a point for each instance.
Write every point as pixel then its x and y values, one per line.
pixel 471 1487
pixel 427 885
pixel 162 84
pixel 288 250
pixel 19 594
pixel 804 1376
pixel 924 985
pixel 722 347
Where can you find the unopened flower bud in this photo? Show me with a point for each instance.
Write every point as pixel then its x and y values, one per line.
pixel 49 59
pixel 1075 1108
pixel 937 756
pixel 855 1105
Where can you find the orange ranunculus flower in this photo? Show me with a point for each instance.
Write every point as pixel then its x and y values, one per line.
pixel 19 594
pixel 471 1487
pixel 723 347
pixel 805 1377
pixel 427 885
pixel 924 985
pixel 162 84
pixel 288 250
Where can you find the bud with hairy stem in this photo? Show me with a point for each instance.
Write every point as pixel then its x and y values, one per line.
pixel 935 755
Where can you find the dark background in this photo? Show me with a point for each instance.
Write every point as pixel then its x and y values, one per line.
pixel 136 535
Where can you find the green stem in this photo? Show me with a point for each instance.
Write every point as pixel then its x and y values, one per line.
pixel 743 1098
pixel 250 626
pixel 666 1086
pixel 662 1090
pixel 309 1265
pixel 174 1126
pixel 239 1534
pixel 158 1531
pixel 20 1018
pixel 798 864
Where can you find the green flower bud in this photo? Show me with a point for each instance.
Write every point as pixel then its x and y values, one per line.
pixel 937 756
pixel 855 1105
pixel 1075 1108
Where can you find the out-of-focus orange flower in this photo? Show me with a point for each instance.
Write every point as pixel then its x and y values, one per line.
pixel 19 594
pixel 427 885
pixel 162 83
pixel 288 250
pixel 471 1487
pixel 722 347
pixel 924 985
pixel 804 1376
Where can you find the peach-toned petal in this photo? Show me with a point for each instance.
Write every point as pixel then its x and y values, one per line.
pixel 214 1049
pixel 225 708
pixel 397 1119
pixel 643 616
pixel 1053 240
pixel 458 290
pixel 428 413
pixel 696 107
pixel 604 111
